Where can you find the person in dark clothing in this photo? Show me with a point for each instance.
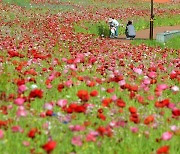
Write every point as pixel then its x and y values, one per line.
pixel 130 31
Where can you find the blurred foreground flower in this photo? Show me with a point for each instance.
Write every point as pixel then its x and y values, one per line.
pixel 76 140
pixel 1 134
pixel 167 136
pixel 49 146
pixel 163 150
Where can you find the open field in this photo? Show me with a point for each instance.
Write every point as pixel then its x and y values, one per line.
pixel 64 89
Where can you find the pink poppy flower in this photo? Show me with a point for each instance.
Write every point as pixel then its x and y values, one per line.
pixel 112 124
pixel 151 98
pixel 77 60
pixel 1 134
pixel 65 71
pixel 138 71
pixel 122 82
pixel 49 86
pixel 48 106
pixel 76 128
pixel 147 81
pixel 175 88
pixel 73 67
pixel 62 102
pixel 17 129
pixel 152 74
pixel 90 138
pixel 22 88
pixel 161 87
pixel 19 101
pixel 146 89
pixel 121 123
pixel 26 143
pixel 114 98
pixel 167 136
pixel 21 112
pixel 76 140
pixel 171 106
pixel 174 128
pixel 68 83
pixel 64 59
pixel 51 77
pixel 45 125
pixel 134 129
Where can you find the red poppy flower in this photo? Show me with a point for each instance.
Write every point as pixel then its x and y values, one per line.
pixel 32 133
pixel 80 109
pixel 140 99
pixel 49 146
pixel 83 95
pixel 132 95
pixel 20 82
pixel 110 90
pixel 4 109
pixel 70 61
pixel 3 123
pixel 60 87
pixel 126 86
pixel 101 116
pixel 148 119
pixel 134 118
pixel 163 103
pixel 120 103
pixel 173 75
pixel 133 88
pixel 80 78
pixel 100 110
pixel 36 93
pixel 75 108
pixel 163 150
pixel 98 80
pixel 91 84
pixel 176 112
pixel 106 102
pixel 132 109
pixel 49 113
pixel 94 93
pixel 101 130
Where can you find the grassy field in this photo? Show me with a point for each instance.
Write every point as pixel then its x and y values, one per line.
pixel 172 43
pixel 66 90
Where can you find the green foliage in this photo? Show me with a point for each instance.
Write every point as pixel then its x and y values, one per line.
pixel 18 2
pixel 99 28
pixel 152 43
pixel 167 20
pixel 174 43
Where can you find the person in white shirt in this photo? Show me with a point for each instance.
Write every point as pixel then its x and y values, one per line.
pixel 112 28
pixel 116 24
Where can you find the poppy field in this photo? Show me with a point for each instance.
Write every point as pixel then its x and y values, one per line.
pixel 64 90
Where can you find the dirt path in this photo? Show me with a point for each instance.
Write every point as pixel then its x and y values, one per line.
pixel 144 34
